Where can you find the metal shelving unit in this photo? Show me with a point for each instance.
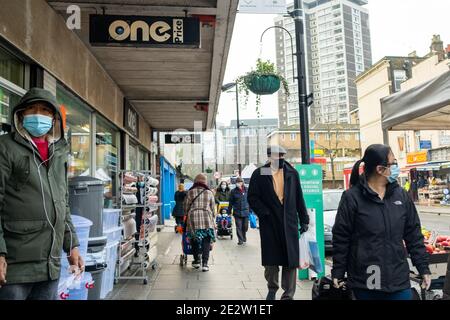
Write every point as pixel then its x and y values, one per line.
pixel 140 253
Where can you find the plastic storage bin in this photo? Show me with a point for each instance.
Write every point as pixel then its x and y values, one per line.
pixel 111 218
pixel 86 200
pixel 82 293
pixel 109 273
pixel 113 235
pixel 82 228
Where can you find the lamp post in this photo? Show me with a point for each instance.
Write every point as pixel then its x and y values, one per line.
pixel 227 87
pixel 297 15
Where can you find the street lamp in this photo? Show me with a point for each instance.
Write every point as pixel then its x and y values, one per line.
pixel 225 88
pixel 303 100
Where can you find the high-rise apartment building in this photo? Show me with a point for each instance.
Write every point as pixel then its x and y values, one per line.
pixel 338 49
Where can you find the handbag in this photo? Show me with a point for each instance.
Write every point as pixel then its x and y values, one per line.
pixel 323 289
pixel 252 219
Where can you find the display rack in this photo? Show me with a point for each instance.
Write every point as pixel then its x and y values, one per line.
pixel 139 250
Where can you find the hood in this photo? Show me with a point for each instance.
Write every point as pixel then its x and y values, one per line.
pixel 372 195
pixel 38 95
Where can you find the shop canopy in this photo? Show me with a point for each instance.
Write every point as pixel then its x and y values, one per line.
pixel 171 86
pixel 424 107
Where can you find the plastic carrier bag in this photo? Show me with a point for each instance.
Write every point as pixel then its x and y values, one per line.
pixel 305 261
pixel 252 219
pixel 309 253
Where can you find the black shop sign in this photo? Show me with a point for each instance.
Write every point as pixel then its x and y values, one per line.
pixel 143 31
pixel 131 119
pixel 182 138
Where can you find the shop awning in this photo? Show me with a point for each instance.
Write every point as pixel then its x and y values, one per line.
pixel 171 87
pixel 429 167
pixel 424 107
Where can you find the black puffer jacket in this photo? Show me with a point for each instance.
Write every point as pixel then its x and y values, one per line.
pixel 370 232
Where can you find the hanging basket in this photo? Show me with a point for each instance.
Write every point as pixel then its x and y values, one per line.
pixel 263 85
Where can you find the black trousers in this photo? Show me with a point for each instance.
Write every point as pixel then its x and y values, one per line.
pixel 202 248
pixel 179 220
pixel 241 228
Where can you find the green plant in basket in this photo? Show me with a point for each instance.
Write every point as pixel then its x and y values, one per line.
pixel 264 80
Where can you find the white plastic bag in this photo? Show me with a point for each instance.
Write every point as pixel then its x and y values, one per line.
pixel 305 257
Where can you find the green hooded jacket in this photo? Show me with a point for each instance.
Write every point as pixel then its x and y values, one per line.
pixel 27 239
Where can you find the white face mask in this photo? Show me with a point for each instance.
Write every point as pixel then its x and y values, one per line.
pixel 223 187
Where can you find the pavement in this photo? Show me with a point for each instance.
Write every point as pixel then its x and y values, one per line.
pixel 235 273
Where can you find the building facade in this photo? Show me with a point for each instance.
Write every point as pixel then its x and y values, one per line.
pixel 396 74
pixel 335 146
pixel 338 48
pixel 253 143
pixel 116 97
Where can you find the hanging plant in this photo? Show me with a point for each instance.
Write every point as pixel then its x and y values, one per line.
pixel 265 80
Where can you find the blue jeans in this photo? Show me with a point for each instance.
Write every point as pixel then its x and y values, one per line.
pixel 361 294
pixel 47 290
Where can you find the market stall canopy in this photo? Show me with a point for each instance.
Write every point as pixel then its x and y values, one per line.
pixel 170 86
pixel 424 107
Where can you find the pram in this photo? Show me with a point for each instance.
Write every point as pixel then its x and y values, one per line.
pixel 223 221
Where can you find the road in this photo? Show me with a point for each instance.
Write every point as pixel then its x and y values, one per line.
pixel 434 222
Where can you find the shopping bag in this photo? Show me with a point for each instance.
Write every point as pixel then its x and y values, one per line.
pixel 304 252
pixel 252 219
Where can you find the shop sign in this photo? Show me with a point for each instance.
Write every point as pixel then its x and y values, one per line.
pixel 131 119
pixel 417 157
pixel 263 6
pixel 425 144
pixel 311 183
pixel 182 138
pixel 144 31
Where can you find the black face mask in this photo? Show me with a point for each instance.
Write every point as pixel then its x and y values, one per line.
pixel 279 163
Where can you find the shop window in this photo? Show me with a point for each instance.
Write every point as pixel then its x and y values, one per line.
pixel 7 101
pixel 106 149
pixel 11 68
pixel 132 163
pixel 77 132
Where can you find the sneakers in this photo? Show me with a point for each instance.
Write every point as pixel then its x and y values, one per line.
pixel 196 264
pixel 240 243
pixel 205 268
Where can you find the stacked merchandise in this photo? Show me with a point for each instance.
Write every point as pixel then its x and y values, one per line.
pixel 139 202
pixel 436 191
pixel 113 232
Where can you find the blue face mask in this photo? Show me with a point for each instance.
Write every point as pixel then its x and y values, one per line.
pixel 395 172
pixel 37 124
pixel 141 184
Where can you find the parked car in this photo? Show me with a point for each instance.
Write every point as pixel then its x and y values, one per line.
pixel 331 199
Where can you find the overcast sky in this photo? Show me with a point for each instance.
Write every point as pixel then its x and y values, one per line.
pixel 398 27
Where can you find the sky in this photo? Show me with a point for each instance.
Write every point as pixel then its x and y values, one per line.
pixel 398 27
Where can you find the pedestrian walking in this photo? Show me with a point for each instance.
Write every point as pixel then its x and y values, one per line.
pixel 276 197
pixel 241 210
pixel 35 221
pixel 200 209
pixel 376 226
pixel 178 211
pixel 222 192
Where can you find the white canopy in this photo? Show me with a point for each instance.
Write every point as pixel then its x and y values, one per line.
pixel 424 107
pixel 248 171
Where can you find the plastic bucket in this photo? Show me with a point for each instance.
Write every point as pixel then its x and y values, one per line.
pixel 82 292
pixel 97 276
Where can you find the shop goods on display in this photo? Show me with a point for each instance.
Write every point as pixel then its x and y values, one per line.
pixel 137 247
